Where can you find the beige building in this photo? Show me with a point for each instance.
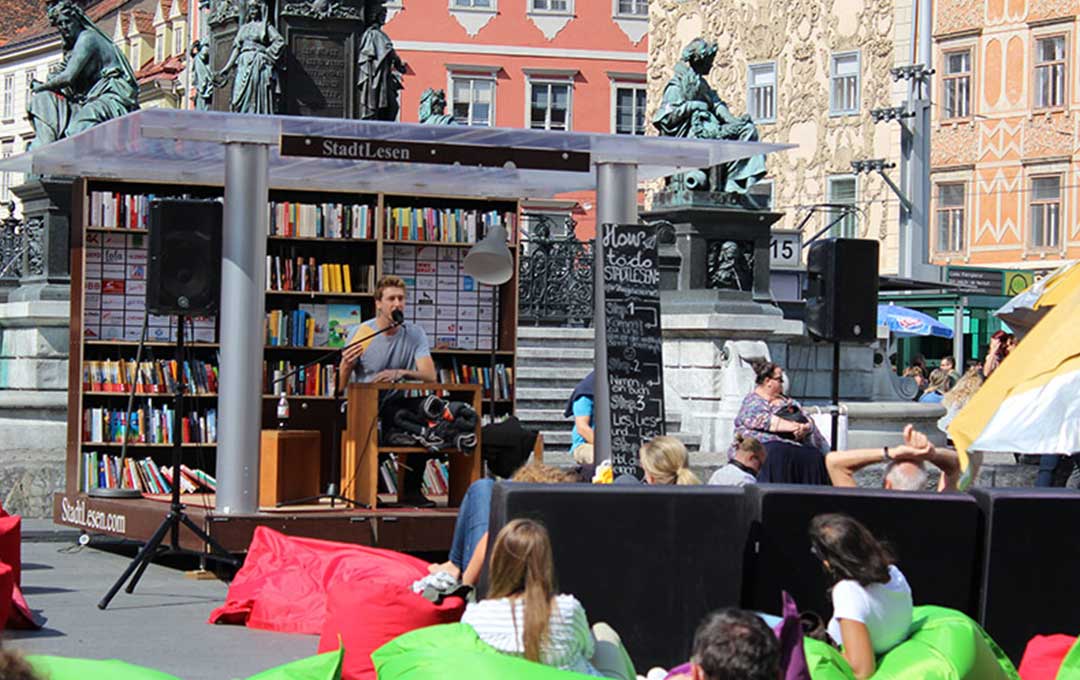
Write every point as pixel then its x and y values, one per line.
pixel 808 72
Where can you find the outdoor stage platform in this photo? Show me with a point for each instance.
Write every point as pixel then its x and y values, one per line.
pixel 402 529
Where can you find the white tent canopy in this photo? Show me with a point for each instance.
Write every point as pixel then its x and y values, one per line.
pixel 166 145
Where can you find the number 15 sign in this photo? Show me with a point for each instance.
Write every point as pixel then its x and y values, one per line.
pixel 785 249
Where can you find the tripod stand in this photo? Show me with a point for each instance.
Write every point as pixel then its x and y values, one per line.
pixel 171 524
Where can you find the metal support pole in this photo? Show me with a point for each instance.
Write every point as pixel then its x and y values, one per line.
pixel 958 333
pixel 835 390
pixel 242 302
pixel 915 147
pixel 616 203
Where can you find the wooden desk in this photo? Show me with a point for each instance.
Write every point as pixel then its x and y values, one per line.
pixel 360 454
pixel 289 463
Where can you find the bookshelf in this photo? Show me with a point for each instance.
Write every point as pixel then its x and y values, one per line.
pixel 325 250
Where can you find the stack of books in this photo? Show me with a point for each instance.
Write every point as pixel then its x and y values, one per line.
pixel 104 471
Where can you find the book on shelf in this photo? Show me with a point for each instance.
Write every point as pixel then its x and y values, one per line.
pixel 445 225
pixel 147 425
pixel 149 377
pixel 312 381
pixel 107 471
pixel 321 220
pixel 115 210
pixel 388 474
pixel 312 325
pixel 436 478
pixel 308 275
pixel 454 371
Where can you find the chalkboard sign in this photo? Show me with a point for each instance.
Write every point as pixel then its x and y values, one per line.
pixel 634 359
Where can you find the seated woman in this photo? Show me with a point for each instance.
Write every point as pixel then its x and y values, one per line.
pixel 666 461
pixel 872 606
pixel 795 448
pixel 524 616
pixel 936 387
pixel 580 406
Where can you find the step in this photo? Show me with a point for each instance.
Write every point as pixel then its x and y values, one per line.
pixel 550 377
pixel 556 354
pixel 553 419
pixel 544 336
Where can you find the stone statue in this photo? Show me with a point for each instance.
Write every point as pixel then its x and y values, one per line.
pixel 94 84
pixel 257 49
pixel 433 108
pixel 729 267
pixel 202 76
pixel 691 108
pixel 378 69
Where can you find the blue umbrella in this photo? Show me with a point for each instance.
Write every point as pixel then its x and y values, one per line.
pixel 905 323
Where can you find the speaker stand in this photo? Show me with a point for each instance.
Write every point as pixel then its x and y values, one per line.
pixel 835 390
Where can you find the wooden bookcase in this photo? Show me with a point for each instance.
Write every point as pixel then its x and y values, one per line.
pixel 101 332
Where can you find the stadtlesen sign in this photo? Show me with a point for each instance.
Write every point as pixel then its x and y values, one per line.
pixel 389 151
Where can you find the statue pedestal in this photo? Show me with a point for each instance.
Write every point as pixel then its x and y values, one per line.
pixel 45 270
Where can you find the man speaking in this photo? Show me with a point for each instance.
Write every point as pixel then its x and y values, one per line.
pixel 399 352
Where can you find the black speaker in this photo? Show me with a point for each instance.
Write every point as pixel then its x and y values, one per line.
pixel 184 275
pixel 842 289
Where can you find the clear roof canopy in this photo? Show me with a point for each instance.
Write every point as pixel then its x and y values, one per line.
pixel 167 145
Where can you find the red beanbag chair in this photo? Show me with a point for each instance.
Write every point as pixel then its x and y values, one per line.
pixel 284 581
pixel 11 544
pixel 1043 656
pixel 365 615
pixel 7 585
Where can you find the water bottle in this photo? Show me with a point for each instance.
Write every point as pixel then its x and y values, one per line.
pixel 282 412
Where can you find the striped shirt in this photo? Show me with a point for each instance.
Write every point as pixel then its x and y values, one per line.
pixel 569 643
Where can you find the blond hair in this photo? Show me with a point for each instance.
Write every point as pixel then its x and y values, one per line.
pixel 939 381
pixel 538 473
pixel 966 386
pixel 388 281
pixel 747 444
pixel 522 566
pixel 667 462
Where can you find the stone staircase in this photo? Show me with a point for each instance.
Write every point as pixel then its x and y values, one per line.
pixel 550 362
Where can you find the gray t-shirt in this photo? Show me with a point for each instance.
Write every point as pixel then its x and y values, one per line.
pixel 398 350
pixel 731 475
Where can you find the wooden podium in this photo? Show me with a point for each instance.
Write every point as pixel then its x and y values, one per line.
pixel 361 449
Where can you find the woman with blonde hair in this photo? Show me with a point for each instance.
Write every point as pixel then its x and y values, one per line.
pixel 523 615
pixel 666 461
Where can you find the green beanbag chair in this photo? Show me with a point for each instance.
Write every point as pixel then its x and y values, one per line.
pixel 63 668
pixel 1070 667
pixel 319 667
pixel 945 644
pixel 453 651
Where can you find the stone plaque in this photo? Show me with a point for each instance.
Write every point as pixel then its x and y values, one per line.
pixel 221 43
pixel 320 69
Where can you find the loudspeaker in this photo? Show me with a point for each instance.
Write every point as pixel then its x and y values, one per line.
pixel 652 561
pixel 184 274
pixel 842 289
pixel 1032 558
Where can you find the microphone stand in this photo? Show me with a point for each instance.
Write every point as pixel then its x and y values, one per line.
pixel 335 458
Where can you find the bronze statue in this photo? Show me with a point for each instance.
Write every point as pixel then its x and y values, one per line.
pixel 257 49
pixel 691 108
pixel 94 84
pixel 729 267
pixel 202 76
pixel 378 69
pixel 433 108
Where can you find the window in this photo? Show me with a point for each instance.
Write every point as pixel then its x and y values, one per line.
pixel 549 106
pixel 551 5
pixel 482 4
pixel 630 110
pixel 9 96
pixel 135 63
pixel 178 39
pixel 762 192
pixel 844 83
pixel 1046 211
pixel 762 97
pixel 956 85
pixel 842 192
pixel 31 76
pixel 950 217
pixel 159 47
pixel 638 8
pixel 471 100
pixel 5 177
pixel 1050 72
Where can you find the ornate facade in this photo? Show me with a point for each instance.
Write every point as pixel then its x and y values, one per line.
pixel 804 45
pixel 1006 170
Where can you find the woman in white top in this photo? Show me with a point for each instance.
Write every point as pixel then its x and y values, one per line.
pixel 523 615
pixel 871 599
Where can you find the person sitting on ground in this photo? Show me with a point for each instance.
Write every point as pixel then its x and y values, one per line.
pixel 794 445
pixel 936 388
pixel 732 644
pixel 523 615
pixel 743 468
pixel 580 406
pixel 905 465
pixel 666 461
pixel 872 604
pixel 468 547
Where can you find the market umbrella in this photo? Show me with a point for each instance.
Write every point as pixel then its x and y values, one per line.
pixel 1029 404
pixel 1025 309
pixel 904 322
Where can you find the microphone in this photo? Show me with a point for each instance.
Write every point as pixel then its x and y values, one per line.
pixel 398 317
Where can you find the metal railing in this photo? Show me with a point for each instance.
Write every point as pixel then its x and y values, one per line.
pixel 555 282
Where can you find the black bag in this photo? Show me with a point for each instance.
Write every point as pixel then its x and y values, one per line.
pixel 506 446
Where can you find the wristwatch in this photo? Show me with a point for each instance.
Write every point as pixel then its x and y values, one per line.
pixel 885 457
